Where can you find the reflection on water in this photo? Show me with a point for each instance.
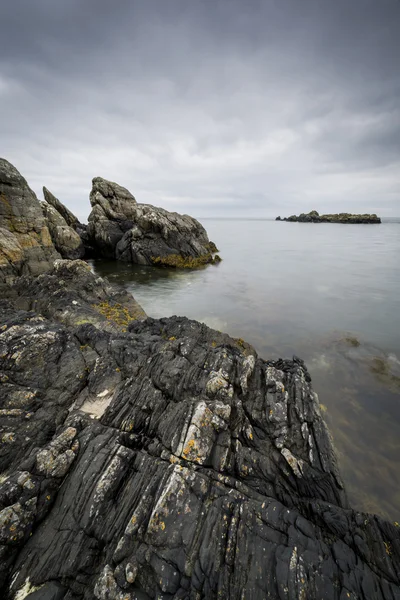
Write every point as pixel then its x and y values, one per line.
pixel 329 293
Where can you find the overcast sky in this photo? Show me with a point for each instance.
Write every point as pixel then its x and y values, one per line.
pixel 211 107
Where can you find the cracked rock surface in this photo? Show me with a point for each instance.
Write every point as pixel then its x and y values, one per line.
pixel 26 246
pixel 121 228
pixel 169 461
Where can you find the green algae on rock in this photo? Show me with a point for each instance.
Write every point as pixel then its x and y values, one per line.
pixel 181 262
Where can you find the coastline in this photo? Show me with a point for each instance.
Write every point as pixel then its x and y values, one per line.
pixel 144 436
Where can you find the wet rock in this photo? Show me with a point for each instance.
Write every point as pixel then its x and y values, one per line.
pixel 208 473
pixel 25 242
pixel 121 228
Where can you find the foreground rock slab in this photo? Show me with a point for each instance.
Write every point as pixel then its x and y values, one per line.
pixel 169 461
pixel 315 217
pixel 121 228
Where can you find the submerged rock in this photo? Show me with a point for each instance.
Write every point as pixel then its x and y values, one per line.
pixel 25 242
pixel 121 228
pixel 315 217
pixel 169 461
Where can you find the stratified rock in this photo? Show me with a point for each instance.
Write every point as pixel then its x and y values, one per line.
pixel 121 228
pixel 25 242
pixel 70 219
pixel 172 462
pixel 315 217
pixel 66 240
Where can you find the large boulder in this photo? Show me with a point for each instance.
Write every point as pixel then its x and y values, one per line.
pixel 168 461
pixel 121 228
pixel 25 242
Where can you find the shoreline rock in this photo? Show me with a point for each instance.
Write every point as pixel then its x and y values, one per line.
pixel 25 242
pixel 150 458
pixel 345 218
pixel 120 228
pixel 168 461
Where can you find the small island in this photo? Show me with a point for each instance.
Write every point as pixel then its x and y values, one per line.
pixel 315 217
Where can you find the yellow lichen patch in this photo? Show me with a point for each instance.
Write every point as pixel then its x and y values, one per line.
pixel 172 338
pixel 162 525
pixel 388 548
pixel 214 344
pixel 396 524
pixel 184 262
pixel 188 448
pixel 116 313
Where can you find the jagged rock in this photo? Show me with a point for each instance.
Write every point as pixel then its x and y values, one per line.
pixel 315 217
pixel 66 240
pixel 179 465
pixel 121 228
pixel 70 219
pixel 25 242
pixel 72 294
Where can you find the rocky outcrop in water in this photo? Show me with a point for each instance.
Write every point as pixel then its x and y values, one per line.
pixel 25 242
pixel 121 228
pixel 167 461
pixel 315 217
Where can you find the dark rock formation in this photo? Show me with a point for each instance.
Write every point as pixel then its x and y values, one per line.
pixel 121 228
pixel 25 242
pixel 72 294
pixel 315 217
pixel 168 461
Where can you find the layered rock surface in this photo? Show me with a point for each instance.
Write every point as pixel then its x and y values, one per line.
pixel 315 217
pixel 25 242
pixel 66 240
pixel 167 462
pixel 121 228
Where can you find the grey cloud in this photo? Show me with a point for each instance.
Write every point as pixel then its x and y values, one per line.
pixel 210 107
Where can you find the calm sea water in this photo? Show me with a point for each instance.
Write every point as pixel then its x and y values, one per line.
pixel 328 293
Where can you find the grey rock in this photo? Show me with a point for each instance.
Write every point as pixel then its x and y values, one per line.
pixel 121 228
pixel 25 242
pixel 72 294
pixel 344 218
pixel 66 240
pixel 207 473
pixel 70 219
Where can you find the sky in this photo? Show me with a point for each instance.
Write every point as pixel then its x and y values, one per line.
pixel 210 107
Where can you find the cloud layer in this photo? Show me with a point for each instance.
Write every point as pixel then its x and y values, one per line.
pixel 212 107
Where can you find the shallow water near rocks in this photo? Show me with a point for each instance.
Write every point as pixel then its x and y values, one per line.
pixel 328 293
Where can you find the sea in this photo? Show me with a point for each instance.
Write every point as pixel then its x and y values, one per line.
pixel 328 293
